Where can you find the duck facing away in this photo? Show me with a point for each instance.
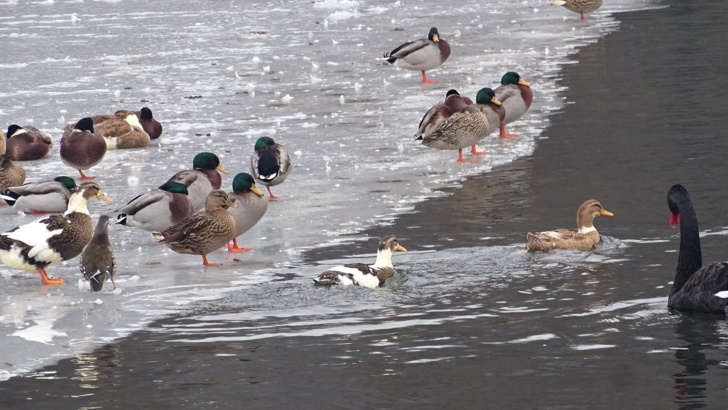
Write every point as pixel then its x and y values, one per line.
pixel 121 130
pixel 35 246
pixel 583 240
pixel 27 143
pixel 11 174
pixel 40 197
pixel 421 55
pixel 203 232
pixel 361 274
pixel 441 111
pixel 463 129
pixel 252 205
pixel 82 148
pixel 97 260
pixel 516 96
pixel 157 209
pixel 201 179
pixel 696 288
pixel 579 6
pixel 270 163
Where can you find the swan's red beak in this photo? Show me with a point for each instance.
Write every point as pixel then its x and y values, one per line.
pixel 674 219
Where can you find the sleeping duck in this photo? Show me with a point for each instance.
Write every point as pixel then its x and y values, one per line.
pixel 516 96
pixel 81 147
pixel 50 196
pixel 270 163
pixel 423 54
pixel 360 274
pixel 11 174
pixel 251 207
pixel 149 123
pixel 203 232
pixel 463 129
pixel 203 178
pixel 157 209
pixel 54 238
pixel 121 130
pixel 579 6
pixel 97 260
pixel 441 111
pixel 491 106
pixel 583 240
pixel 27 143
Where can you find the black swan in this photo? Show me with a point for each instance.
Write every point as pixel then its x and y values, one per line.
pixel 695 286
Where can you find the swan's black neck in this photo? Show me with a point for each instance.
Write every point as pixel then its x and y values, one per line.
pixel 690 258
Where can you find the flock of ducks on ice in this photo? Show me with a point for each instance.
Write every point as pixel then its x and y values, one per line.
pixel 190 214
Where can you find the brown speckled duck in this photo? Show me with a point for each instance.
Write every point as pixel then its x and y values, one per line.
pixel 579 6
pixel 54 238
pixel 251 207
pixel 121 130
pixel 421 55
pixel 50 196
pixel 583 240
pixel 97 260
pixel 441 111
pixel 27 143
pixel 203 178
pixel 463 129
pixel 3 142
pixel 203 232
pixel 81 148
pixel 516 96
pixel 360 274
pixel 157 209
pixel 11 174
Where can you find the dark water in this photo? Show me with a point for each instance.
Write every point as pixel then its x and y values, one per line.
pixel 479 323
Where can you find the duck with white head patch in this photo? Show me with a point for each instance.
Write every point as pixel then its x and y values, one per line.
pixel 35 246
pixel 121 130
pixel 270 163
pixel 583 240
pixel 360 274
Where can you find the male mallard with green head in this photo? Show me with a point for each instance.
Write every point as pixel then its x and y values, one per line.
pixel 583 240
pixel 157 209
pixel 11 174
pixel 252 205
pixel 203 178
pixel 35 246
pixel 270 163
pixel 203 232
pixel 441 111
pixel 27 143
pixel 360 274
pixel 491 107
pixel 423 54
pixel 516 96
pixel 50 196
pixel 81 147
pixel 97 260
pixel 579 6
pixel 463 129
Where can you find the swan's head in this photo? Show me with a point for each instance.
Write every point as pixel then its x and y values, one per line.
pixel 676 196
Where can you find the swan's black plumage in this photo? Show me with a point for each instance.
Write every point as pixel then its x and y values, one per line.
pixel 695 285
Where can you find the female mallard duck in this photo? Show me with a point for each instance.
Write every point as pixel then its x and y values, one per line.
pixel 251 207
pixel 3 142
pixel 54 238
pixel 423 54
pixel 516 95
pixel 97 260
pixel 491 106
pixel 11 174
pixel 81 147
pixel 463 129
pixel 360 274
pixel 157 209
pixel 151 126
pixel 696 288
pixel 270 163
pixel 441 111
pixel 203 178
pixel 27 143
pixel 122 130
pixel 202 232
pixel 583 240
pixel 579 6
pixel 50 196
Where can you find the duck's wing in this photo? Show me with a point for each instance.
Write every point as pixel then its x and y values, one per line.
pixel 144 201
pixel 407 49
pixel 284 159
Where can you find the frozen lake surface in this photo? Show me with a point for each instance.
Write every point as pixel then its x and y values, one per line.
pixel 218 75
